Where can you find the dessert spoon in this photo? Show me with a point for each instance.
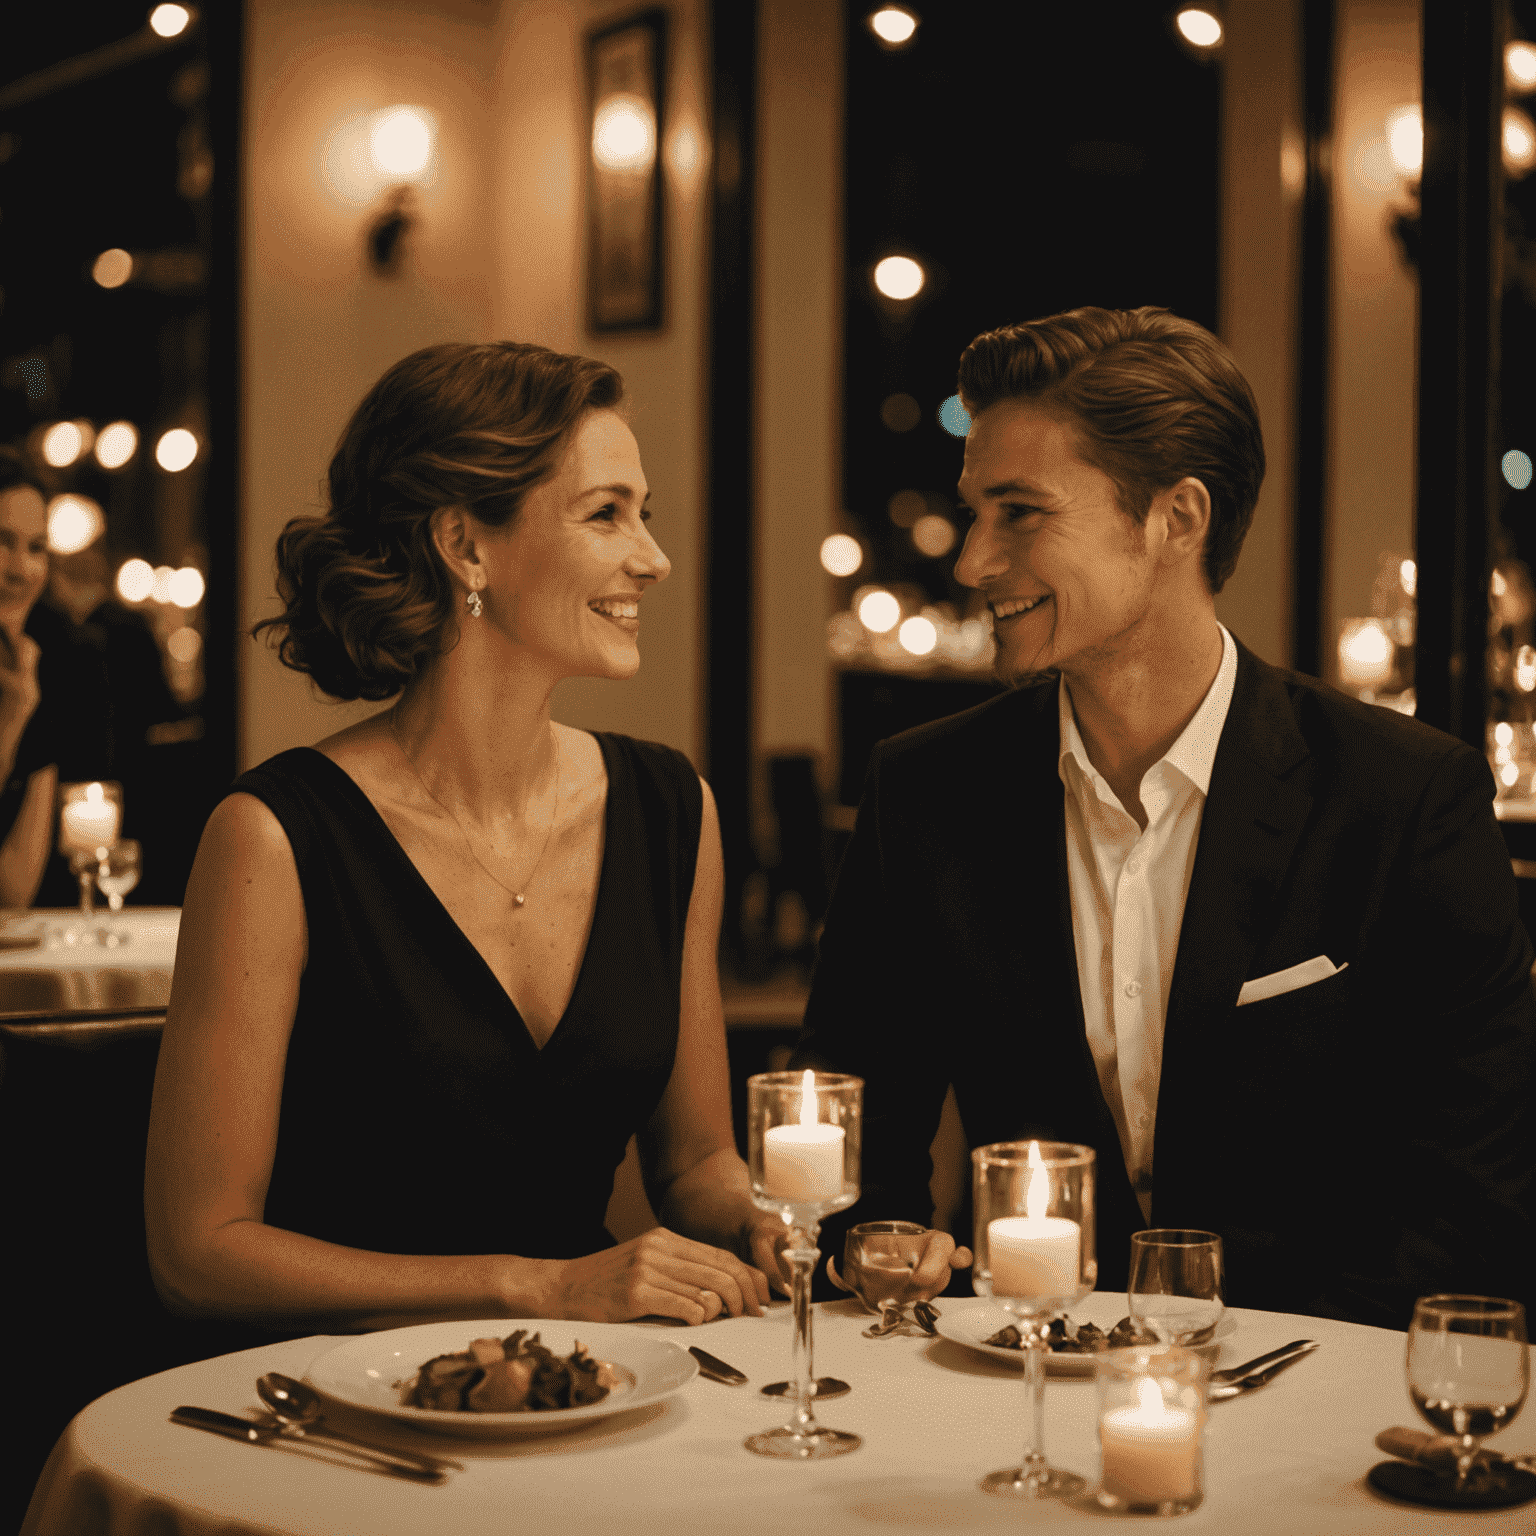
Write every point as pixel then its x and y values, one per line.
pixel 296 1406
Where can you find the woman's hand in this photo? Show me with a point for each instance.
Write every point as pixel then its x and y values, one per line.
pixel 657 1274
pixel 19 693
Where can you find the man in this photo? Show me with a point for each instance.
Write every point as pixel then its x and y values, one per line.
pixel 1253 941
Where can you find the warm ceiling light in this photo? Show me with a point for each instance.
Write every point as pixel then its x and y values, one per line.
pixel 1405 140
pixel 112 268
pixel 893 25
pixel 840 555
pixel 401 141
pixel 170 20
pixel 63 443
pixel 187 587
pixel 1198 27
pixel 175 450
pixel 135 580
pixel 1520 67
pixel 899 277
pixel 624 134
pixel 116 445
pixel 74 523
pixel 1519 142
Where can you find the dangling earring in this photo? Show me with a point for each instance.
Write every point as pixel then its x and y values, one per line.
pixel 476 607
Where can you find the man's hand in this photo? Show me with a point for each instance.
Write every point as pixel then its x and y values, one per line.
pixel 939 1258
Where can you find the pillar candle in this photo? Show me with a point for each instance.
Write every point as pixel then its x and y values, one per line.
pixel 803 1162
pixel 1034 1256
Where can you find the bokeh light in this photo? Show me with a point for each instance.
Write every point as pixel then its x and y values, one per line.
pixel 112 268
pixel 401 141
pixel 893 25
pixel 186 587
pixel 1198 27
pixel 905 507
pixel 900 413
pixel 1405 140
pixel 899 277
pixel 840 555
pixel 184 644
pixel 918 635
pixel 624 134
pixel 63 443
pixel 160 588
pixel 175 450
pixel 1519 142
pixel 1520 66
pixel 954 417
pixel 1408 574
pixel 74 523
pixel 116 444
pixel 933 535
pixel 879 611
pixel 1508 774
pixel 135 580
pixel 1503 733
pixel 1525 669
pixel 1517 468
pixel 169 20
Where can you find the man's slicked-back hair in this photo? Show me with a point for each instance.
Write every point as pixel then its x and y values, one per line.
pixel 1152 398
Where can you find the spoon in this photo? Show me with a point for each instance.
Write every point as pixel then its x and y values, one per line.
pixel 296 1406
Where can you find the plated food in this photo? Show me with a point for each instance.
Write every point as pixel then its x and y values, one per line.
pixel 1068 1338
pixel 517 1374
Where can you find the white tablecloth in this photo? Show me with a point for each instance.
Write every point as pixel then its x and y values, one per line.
pixel 59 975
pixel 935 1417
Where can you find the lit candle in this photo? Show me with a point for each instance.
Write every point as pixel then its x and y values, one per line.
pixel 805 1161
pixel 1035 1255
pixel 1152 1451
pixel 89 824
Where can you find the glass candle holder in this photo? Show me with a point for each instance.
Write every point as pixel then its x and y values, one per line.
pixel 90 818
pixel 1034 1245
pixel 1151 1427
pixel 803 1142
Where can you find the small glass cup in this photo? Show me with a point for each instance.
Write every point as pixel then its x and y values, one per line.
pixel 1468 1368
pixel 1176 1284
pixel 878 1260
pixel 1151 1429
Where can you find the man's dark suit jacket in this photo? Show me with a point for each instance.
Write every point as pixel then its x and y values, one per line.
pixel 1356 1142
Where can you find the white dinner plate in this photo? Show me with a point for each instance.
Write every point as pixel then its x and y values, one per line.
pixel 370 1370
pixel 972 1323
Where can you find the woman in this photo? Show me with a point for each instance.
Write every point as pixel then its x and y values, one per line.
pixel 28 771
pixel 436 971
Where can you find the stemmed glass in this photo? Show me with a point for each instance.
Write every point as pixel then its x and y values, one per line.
pixel 118 872
pixel 878 1260
pixel 90 817
pixel 1176 1282
pixel 1035 1257
pixel 1468 1368
pixel 803 1134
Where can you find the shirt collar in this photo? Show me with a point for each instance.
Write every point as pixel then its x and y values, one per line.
pixel 1194 753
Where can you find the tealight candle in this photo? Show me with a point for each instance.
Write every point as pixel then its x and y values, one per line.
pixel 1152 1451
pixel 89 824
pixel 804 1162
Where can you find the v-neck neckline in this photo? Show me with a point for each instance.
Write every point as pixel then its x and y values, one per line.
pixel 396 850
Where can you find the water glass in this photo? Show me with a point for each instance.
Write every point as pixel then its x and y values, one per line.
pixel 1468 1368
pixel 1151 1428
pixel 1176 1284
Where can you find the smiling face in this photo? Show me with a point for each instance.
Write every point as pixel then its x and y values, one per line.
pixel 565 579
pixel 23 553
pixel 1068 576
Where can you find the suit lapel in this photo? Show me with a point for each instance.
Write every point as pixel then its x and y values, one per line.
pixel 1253 815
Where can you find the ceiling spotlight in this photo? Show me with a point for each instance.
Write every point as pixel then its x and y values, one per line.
pixel 116 445
pixel 63 443
pixel 1520 67
pixel 894 25
pixel 1198 27
pixel 112 268
pixel 170 20
pixel 899 277
pixel 175 450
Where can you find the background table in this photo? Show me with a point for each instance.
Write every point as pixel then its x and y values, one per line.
pixel 935 1417
pixel 59 976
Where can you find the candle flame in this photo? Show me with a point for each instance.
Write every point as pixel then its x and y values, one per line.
pixel 808 1098
pixel 1037 1196
pixel 1149 1396
pixel 95 793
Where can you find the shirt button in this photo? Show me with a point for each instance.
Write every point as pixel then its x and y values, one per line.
pixel 1133 989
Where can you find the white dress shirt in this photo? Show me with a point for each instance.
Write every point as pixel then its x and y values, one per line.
pixel 1128 889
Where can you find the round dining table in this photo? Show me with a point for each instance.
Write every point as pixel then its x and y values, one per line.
pixel 935 1417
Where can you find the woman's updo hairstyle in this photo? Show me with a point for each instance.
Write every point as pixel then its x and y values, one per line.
pixel 367 599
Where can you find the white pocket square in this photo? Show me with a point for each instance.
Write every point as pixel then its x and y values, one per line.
pixel 1319 968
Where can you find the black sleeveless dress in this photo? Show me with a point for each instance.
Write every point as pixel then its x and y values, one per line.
pixel 417 1114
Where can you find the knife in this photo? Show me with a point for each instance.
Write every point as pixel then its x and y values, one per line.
pixel 235 1428
pixel 1439 1451
pixel 715 1368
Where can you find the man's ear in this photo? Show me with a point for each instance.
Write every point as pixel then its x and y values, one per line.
pixel 1187 510
pixel 454 535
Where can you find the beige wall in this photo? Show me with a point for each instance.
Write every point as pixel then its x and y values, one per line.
pixel 799 367
pixel 1374 313
pixel 1261 184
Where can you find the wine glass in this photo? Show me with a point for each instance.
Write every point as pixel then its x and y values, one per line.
pixel 90 817
pixel 803 1135
pixel 1468 1368
pixel 118 872
pixel 878 1260
pixel 1034 1206
pixel 1176 1283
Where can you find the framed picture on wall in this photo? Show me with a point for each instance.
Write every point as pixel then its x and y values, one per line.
pixel 626 68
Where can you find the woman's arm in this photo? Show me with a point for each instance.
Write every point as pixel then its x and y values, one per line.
pixel 24 853
pixel 213 1135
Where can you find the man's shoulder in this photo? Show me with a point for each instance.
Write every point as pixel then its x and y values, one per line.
pixel 1013 720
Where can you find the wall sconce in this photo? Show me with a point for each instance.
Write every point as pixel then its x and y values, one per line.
pixel 402 142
